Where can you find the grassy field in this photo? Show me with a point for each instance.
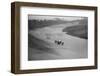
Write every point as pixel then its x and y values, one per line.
pixel 78 30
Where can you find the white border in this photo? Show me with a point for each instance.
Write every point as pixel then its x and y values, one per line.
pixel 25 64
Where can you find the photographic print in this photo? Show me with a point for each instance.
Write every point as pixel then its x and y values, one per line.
pixel 52 37
pixel 57 37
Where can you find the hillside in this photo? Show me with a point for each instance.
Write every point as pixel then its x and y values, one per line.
pixel 33 24
pixel 80 30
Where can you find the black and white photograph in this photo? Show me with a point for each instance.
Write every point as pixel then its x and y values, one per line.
pixel 52 37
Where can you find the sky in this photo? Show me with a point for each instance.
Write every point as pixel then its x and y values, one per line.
pixel 48 17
